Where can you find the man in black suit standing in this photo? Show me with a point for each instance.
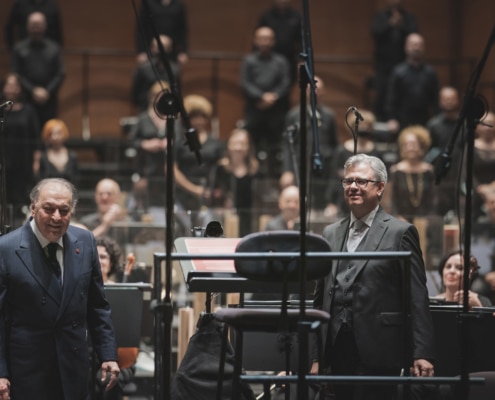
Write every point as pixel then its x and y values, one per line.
pixel 52 301
pixel 366 332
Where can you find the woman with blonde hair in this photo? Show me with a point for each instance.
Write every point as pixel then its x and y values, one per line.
pixel 412 192
pixel 234 179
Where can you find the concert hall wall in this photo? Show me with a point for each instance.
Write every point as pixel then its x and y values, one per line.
pixel 99 58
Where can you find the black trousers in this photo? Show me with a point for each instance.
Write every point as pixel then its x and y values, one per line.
pixel 345 360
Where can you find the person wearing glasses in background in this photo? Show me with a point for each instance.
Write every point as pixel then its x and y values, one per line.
pixel 365 297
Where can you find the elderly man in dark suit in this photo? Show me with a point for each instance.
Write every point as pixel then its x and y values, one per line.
pixel 52 302
pixel 366 332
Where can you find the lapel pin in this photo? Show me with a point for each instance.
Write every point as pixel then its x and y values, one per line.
pixel 78 251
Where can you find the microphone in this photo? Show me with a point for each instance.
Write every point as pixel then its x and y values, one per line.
pixel 8 103
pixel 357 114
pixel 213 229
pixel 291 131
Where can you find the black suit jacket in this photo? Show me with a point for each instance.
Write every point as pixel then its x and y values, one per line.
pixel 44 329
pixel 378 317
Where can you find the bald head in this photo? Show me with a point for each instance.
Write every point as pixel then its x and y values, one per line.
pixel 36 25
pixel 264 39
pixel 414 47
pixel 107 193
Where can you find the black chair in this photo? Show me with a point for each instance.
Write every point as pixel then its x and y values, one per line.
pixel 277 270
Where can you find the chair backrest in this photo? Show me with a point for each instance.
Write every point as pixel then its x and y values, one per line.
pixel 278 269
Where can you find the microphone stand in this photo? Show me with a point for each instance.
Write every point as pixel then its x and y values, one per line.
pixel 306 77
pixel 472 110
pixel 168 105
pixel 4 227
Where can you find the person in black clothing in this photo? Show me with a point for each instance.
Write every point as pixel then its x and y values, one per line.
pixel 150 71
pixel 38 61
pixel 442 127
pixel 265 82
pixel 15 28
pixel 286 22
pixel 169 17
pixel 234 179
pixel 389 29
pixel 413 88
pixel 22 144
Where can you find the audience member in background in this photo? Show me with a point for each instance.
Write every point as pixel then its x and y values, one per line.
pixel 288 204
pixel 286 23
pixel 148 136
pixel 328 140
pixel 169 17
pixel 389 29
pixel 151 71
pixel 412 192
pixel 265 82
pixel 38 61
pixel 336 205
pixel 194 182
pixel 412 96
pixel 451 271
pixel 56 161
pixel 442 127
pixel 22 145
pixel 234 180
pixel 483 160
pixel 109 209
pixel 109 253
pixel 15 27
pixel 488 208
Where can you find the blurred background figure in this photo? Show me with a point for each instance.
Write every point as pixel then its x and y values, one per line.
pixel 412 192
pixel 151 71
pixel 22 145
pixel 149 137
pixel 15 28
pixel 412 96
pixel 389 29
pixel 288 204
pixel 169 17
pixel 108 208
pixel 451 271
pixel 265 83
pixel 194 182
pixel 56 160
pixel 38 61
pixel 234 180
pixel 483 160
pixel 286 23
pixel 328 140
pixel 442 127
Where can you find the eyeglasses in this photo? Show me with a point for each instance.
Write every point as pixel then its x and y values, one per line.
pixel 362 183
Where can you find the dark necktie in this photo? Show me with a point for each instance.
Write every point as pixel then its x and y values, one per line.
pixel 52 259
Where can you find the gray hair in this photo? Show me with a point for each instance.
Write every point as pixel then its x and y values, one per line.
pixel 35 192
pixel 375 163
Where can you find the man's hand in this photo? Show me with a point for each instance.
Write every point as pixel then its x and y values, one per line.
pixel 4 389
pixel 109 370
pixel 422 367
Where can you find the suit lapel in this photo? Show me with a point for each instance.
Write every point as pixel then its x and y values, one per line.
pixel 30 250
pixel 73 256
pixel 373 238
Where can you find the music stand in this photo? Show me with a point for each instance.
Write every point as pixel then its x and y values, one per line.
pixel 127 301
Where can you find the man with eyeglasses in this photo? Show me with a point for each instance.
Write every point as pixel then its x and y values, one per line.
pixel 52 302
pixel 365 335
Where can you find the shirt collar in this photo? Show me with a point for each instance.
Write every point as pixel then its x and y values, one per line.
pixel 43 241
pixel 367 219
